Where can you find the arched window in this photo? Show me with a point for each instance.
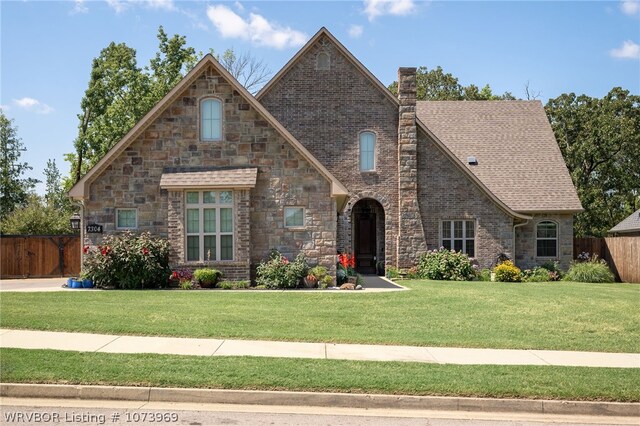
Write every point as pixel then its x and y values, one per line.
pixel 210 119
pixel 547 239
pixel 323 61
pixel 367 151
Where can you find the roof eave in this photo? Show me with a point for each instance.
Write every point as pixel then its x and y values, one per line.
pixel 551 211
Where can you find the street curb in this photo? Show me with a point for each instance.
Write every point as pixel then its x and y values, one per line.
pixel 319 399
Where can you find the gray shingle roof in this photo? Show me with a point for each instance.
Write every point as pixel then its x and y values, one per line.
pixel 518 158
pixel 226 178
pixel 630 224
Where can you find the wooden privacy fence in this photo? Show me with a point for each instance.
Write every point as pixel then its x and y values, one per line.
pixel 39 256
pixel 622 254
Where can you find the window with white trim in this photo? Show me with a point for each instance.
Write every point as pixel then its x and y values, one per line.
pixel 211 119
pixel 367 151
pixel 547 239
pixel 126 218
pixel 293 217
pixel 459 235
pixel 209 225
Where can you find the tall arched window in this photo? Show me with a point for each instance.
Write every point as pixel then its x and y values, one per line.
pixel 547 239
pixel 367 151
pixel 210 119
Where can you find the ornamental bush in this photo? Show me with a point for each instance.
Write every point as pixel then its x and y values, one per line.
pixel 279 272
pixel 507 272
pixel 206 277
pixel 128 261
pixel 592 271
pixel 444 264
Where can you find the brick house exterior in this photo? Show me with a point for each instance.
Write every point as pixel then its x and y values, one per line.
pixel 324 160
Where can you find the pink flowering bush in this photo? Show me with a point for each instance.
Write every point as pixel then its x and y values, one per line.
pixel 279 272
pixel 128 261
pixel 444 264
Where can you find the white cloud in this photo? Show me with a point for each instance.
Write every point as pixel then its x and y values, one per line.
pixel 630 7
pixel 239 6
pixel 161 4
pixel 118 5
pixel 375 8
pixel 256 29
pixel 121 5
pixel 79 7
pixel 629 50
pixel 34 105
pixel 355 31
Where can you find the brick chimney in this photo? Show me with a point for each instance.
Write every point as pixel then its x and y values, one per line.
pixel 411 242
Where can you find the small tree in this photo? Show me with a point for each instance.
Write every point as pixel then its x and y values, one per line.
pixel 36 218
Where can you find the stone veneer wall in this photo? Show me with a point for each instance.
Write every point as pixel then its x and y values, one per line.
pixel 285 178
pixel 445 193
pixel 326 109
pixel 526 241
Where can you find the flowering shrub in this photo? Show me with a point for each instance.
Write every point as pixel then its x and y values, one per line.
pixel 278 272
pixel 348 262
pixel 592 270
pixel 507 272
pixel 182 275
pixel 444 264
pixel 128 261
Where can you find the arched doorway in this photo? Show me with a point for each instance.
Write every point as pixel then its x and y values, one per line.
pixel 367 221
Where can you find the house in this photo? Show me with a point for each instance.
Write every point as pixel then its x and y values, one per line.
pixel 325 159
pixel 628 227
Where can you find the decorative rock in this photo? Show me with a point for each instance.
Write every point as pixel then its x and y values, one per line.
pixel 348 286
pixel 358 287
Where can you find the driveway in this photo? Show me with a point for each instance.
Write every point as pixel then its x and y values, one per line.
pixel 34 284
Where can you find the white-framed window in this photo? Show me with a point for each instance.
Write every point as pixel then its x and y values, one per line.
pixel 293 217
pixel 459 235
pixel 211 119
pixel 126 218
pixel 367 151
pixel 547 239
pixel 209 225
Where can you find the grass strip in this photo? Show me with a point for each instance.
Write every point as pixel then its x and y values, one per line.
pixel 548 382
pixel 560 316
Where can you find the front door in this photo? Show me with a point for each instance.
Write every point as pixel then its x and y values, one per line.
pixel 365 243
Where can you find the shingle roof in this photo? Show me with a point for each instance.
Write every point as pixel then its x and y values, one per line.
pixel 630 224
pixel 226 178
pixel 518 158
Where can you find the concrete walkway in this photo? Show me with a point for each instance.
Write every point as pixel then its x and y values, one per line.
pixel 85 342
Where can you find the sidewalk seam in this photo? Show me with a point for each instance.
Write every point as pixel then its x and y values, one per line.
pixel 539 357
pixel 107 344
pixel 218 348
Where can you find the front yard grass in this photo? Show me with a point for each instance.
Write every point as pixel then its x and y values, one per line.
pixel 575 383
pixel 561 315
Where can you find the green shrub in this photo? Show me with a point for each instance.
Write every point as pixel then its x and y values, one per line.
pixel 555 273
pixel 206 277
pixel 233 285
pixel 319 272
pixel 444 264
pixel 484 275
pixel 593 271
pixel 325 282
pixel 537 275
pixel 279 272
pixel 341 274
pixel 507 272
pixel 392 272
pixel 412 273
pixel 128 261
pixel 186 285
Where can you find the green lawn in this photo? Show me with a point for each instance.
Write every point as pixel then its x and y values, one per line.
pixel 563 316
pixel 576 383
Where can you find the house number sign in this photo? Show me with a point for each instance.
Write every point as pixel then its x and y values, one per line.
pixel 94 229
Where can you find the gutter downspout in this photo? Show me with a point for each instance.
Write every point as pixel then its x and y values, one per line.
pixel 514 236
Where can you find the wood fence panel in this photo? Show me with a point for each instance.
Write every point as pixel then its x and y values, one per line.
pixel 39 256
pixel 623 255
pixel 591 245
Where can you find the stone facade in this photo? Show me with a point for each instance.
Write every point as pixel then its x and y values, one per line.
pixel 285 178
pixel 526 241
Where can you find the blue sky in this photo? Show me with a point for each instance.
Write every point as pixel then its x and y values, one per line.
pixel 47 46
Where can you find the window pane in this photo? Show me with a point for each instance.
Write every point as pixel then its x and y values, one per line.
pixel 226 247
pixel 209 197
pixel 226 197
pixel 206 110
pixel 546 248
pixel 457 229
pixel 211 119
pixel 216 129
pixel 226 220
pixel 546 230
pixel 457 245
pixel 367 149
pixel 446 229
pixel 469 248
pixel 193 221
pixel 126 219
pixel 293 216
pixel 192 197
pixel 209 220
pixel 469 231
pixel 209 247
pixel 193 248
pixel 446 244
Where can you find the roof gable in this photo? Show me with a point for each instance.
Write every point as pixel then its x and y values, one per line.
pixel 80 189
pixel 356 63
pixel 629 224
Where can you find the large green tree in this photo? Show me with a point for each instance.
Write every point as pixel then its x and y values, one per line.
pixel 436 85
pixel 14 188
pixel 600 142
pixel 36 217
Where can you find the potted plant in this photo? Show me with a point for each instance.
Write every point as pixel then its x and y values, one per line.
pixel 206 277
pixel 310 281
pixel 380 268
pixel 182 276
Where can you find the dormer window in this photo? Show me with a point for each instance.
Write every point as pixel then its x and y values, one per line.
pixel 323 61
pixel 211 119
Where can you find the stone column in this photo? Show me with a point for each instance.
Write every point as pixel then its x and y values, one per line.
pixel 411 240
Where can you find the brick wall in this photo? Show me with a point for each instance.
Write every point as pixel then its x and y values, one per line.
pixel 285 178
pixel 526 241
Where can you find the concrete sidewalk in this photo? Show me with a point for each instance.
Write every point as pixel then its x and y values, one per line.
pixel 85 342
